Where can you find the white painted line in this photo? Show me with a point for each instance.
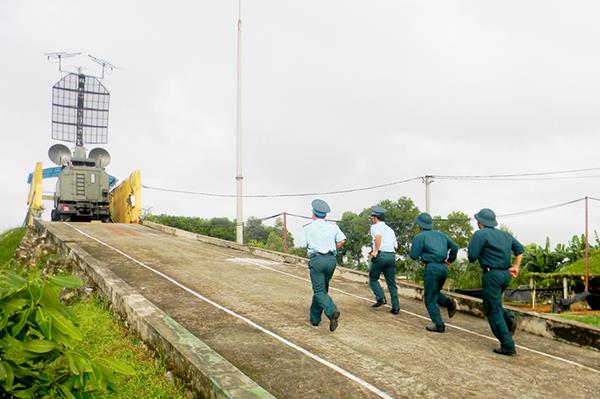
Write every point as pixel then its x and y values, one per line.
pixel 319 359
pixel 525 348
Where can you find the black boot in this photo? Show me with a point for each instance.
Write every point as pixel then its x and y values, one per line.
pixel 512 325
pixel 435 328
pixel 333 323
pixel 379 303
pixel 452 308
pixel 505 352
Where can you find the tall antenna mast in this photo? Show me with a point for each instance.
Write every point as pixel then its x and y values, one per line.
pixel 238 177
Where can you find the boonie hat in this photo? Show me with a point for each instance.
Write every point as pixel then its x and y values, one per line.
pixel 424 220
pixel 320 208
pixel 486 217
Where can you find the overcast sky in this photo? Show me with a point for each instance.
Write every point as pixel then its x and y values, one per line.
pixel 336 94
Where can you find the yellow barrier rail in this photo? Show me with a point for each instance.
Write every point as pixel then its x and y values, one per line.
pixel 34 199
pixel 126 200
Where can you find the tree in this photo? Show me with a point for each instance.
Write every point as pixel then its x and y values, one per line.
pixel 279 229
pixel 222 228
pixel 255 230
pixel 274 241
pixel 356 229
pixel 215 227
pixel 541 260
pixel 400 217
pixel 458 227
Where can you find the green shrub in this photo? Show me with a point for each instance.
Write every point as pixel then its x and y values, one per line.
pixel 38 337
pixel 464 275
pixel 9 241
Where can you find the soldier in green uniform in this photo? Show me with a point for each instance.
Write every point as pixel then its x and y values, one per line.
pixel 322 240
pixel 493 249
pixel 437 251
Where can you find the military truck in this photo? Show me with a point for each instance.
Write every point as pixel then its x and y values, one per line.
pixel 82 190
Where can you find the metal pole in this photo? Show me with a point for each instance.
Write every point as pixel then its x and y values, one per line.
pixel 587 258
pixel 238 177
pixel 80 105
pixel 285 246
pixel 427 194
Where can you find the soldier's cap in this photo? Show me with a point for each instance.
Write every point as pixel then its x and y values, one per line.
pixel 424 221
pixel 486 217
pixel 378 211
pixel 320 208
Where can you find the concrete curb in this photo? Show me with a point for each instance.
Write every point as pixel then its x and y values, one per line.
pixel 530 322
pixel 209 374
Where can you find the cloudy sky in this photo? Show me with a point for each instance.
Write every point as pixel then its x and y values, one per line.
pixel 336 94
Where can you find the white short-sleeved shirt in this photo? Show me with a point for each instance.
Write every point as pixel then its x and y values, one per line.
pixel 321 236
pixel 388 237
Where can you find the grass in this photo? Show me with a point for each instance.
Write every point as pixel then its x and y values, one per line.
pixel 105 337
pixel 593 320
pixel 9 241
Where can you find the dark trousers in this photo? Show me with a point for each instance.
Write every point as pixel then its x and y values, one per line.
pixel 435 276
pixel 321 268
pixel 493 283
pixel 385 263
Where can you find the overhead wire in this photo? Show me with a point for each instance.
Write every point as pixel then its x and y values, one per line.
pixel 532 176
pixel 517 178
pixel 350 190
pixel 493 176
pixel 530 211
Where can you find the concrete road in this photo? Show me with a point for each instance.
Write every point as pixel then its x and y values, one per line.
pixel 254 313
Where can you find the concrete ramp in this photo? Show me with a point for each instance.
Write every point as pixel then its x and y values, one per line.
pixel 253 312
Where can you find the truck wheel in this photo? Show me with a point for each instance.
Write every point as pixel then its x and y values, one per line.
pixel 53 215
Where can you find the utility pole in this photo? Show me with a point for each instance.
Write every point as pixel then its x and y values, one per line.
pixel 285 246
pixel 238 178
pixel 427 180
pixel 587 258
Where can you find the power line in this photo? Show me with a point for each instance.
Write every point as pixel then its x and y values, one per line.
pixel 496 177
pixel 557 172
pixel 350 190
pixel 540 209
pixel 516 178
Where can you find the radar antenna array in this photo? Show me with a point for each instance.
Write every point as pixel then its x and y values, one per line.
pixel 80 104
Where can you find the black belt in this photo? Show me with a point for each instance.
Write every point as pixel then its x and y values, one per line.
pixel 489 269
pixel 320 254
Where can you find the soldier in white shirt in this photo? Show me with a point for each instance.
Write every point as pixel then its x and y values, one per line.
pixel 383 259
pixel 322 240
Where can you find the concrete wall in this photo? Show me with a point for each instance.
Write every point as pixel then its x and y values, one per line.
pixel 209 374
pixel 531 322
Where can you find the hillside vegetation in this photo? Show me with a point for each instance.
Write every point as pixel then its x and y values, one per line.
pixel 9 241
